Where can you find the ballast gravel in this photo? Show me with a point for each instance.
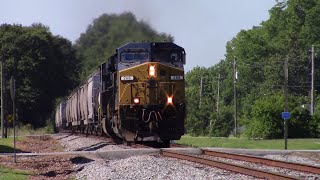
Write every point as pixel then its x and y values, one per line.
pixel 79 143
pixel 152 167
pixel 299 174
pixel 293 158
pixel 156 166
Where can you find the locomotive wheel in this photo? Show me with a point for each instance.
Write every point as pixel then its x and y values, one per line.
pixel 95 130
pixel 92 129
pixel 87 129
pixel 106 125
pixel 128 143
pixel 81 128
pixel 100 130
pixel 106 128
pixel 166 144
pixel 72 129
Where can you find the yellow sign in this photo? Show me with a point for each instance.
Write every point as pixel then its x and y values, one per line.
pixel 9 118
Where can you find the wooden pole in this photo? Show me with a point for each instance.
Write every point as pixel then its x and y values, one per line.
pixel 2 101
pixel 286 106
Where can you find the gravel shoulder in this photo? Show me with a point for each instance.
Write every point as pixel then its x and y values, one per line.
pixel 135 167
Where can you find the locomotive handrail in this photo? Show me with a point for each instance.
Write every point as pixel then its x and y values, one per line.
pixel 126 86
pixel 167 82
pixel 129 84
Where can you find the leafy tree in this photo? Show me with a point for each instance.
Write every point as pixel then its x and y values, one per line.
pixel 44 66
pixel 108 32
pixel 315 122
pixel 222 123
pixel 260 54
pixel 266 119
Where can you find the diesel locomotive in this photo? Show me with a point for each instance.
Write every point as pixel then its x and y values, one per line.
pixel 137 95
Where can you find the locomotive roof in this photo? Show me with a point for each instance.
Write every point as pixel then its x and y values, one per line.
pixel 148 46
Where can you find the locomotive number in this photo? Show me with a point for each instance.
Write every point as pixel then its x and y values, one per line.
pixel 126 78
pixel 176 77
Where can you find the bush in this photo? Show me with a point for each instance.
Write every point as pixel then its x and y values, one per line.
pixel 266 119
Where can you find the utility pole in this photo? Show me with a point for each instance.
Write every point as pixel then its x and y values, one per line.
pixel 2 101
pixel 286 106
pixel 235 96
pixel 312 82
pixel 218 94
pixel 200 93
pixel 13 98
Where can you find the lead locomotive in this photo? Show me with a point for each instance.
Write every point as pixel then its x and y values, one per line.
pixel 137 95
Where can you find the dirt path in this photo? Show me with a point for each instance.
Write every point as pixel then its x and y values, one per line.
pixel 45 167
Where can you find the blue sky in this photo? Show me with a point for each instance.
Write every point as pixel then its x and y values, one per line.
pixel 202 27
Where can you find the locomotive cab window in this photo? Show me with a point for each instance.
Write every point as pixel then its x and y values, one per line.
pixel 167 56
pixel 134 56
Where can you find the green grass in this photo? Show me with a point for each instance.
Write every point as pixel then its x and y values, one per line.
pixel 293 144
pixel 12 174
pixel 6 144
pixel 24 130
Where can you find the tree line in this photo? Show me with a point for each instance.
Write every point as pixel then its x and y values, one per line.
pixel 48 67
pixel 44 66
pixel 260 54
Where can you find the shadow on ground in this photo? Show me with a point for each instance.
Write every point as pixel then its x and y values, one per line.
pixel 93 147
pixel 80 160
pixel 8 149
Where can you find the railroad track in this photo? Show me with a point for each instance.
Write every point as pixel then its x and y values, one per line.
pixel 179 146
pixel 244 169
pixel 265 161
pixel 140 146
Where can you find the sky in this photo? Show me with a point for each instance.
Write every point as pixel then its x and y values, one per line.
pixel 202 27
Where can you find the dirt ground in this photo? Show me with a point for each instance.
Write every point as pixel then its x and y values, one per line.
pixel 43 167
pixel 63 167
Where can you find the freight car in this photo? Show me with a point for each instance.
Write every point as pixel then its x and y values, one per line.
pixel 60 117
pixel 137 95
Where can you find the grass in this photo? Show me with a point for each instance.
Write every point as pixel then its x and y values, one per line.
pixel 293 144
pixel 24 130
pixel 6 144
pixel 12 174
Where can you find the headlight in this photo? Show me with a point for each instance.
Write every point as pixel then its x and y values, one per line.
pixel 136 100
pixel 169 100
pixel 152 71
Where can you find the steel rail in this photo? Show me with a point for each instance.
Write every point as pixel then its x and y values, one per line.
pixel 269 162
pixel 140 146
pixel 179 146
pixel 228 166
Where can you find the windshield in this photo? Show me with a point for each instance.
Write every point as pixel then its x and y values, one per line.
pixel 167 55
pixel 134 56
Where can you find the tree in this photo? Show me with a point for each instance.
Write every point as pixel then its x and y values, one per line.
pixel 266 119
pixel 44 66
pixel 108 32
pixel 260 53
